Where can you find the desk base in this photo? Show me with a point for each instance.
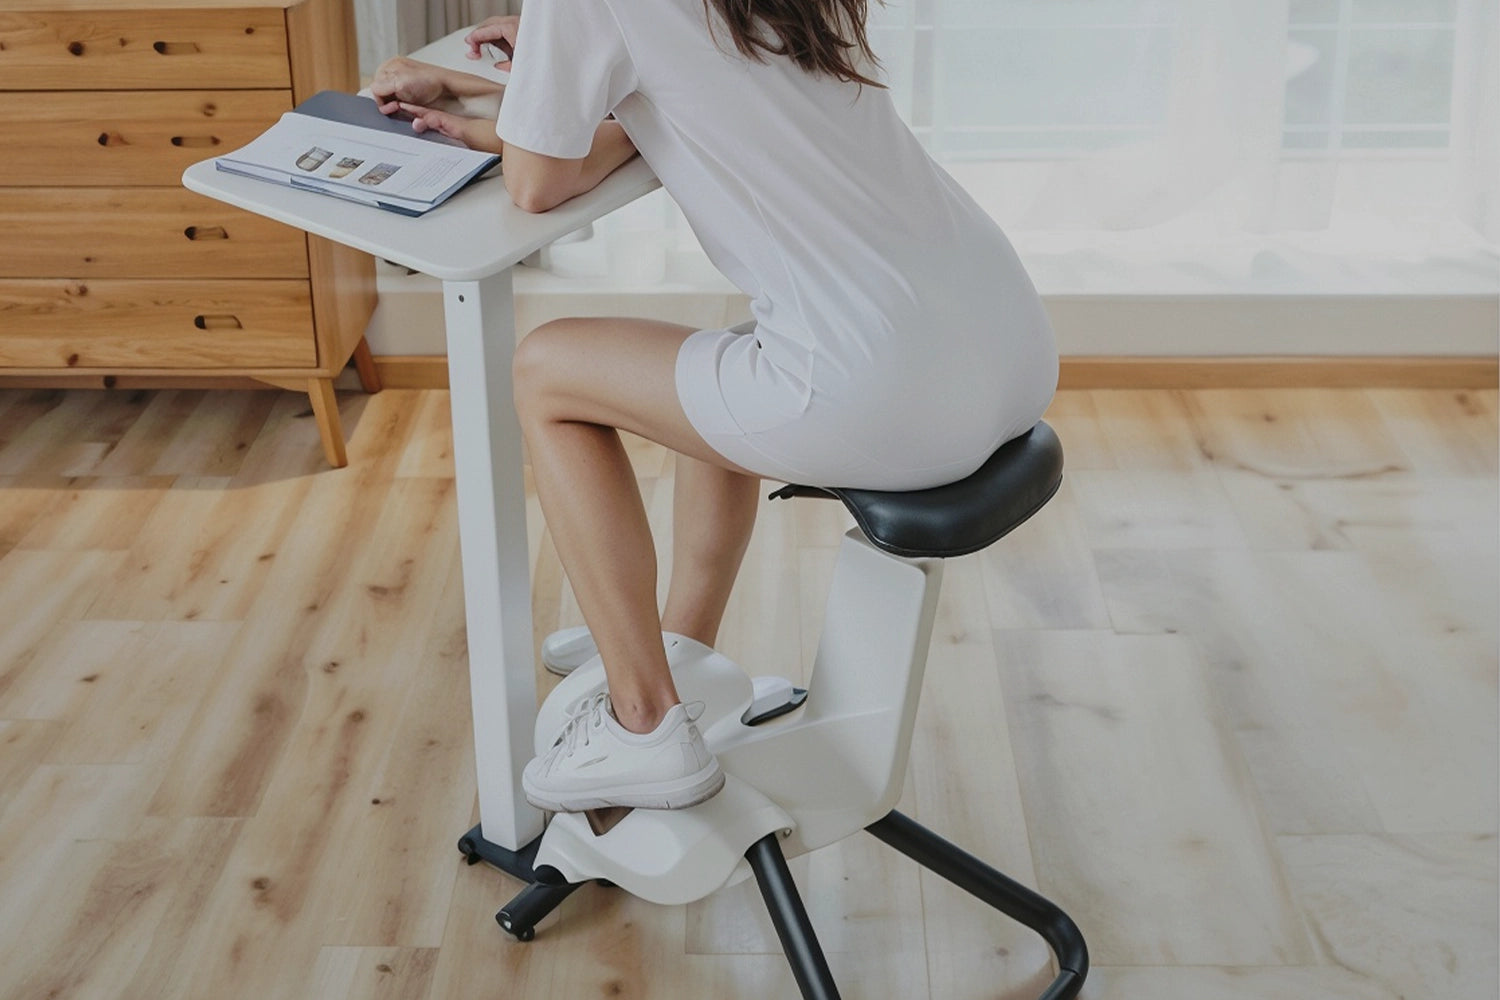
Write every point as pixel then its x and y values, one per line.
pixel 544 891
pixel 475 849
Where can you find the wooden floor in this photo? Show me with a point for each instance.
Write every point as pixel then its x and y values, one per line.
pixel 1231 700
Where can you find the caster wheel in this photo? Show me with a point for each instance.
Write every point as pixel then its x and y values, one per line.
pixel 520 933
pixel 466 848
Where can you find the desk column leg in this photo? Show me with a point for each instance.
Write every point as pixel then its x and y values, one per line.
pixel 481 324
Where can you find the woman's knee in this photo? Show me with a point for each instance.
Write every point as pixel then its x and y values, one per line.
pixel 539 363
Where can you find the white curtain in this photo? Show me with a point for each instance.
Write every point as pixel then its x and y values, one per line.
pixel 1217 141
pixel 1476 117
pixel 1277 145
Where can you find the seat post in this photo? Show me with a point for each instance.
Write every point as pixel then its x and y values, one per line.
pixel 873 652
pixel 880 611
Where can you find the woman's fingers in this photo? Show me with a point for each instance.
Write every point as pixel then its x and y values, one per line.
pixel 402 79
pixel 476 133
pixel 503 63
pixel 492 29
pixel 498 31
pixel 423 119
pixel 384 86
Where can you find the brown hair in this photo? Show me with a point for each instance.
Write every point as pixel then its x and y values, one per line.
pixel 817 35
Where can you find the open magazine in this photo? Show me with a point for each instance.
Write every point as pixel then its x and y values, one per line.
pixel 341 145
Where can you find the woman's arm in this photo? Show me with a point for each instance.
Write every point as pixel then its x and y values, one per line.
pixel 536 183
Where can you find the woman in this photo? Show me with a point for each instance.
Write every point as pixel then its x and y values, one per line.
pixel 897 340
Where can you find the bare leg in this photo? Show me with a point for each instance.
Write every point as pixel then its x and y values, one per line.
pixel 577 381
pixel 713 513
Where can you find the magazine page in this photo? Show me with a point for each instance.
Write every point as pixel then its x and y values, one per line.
pixel 371 167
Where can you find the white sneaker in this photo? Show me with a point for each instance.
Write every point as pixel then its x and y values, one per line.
pixel 597 763
pixel 568 649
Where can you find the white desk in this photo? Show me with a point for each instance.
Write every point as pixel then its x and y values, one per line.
pixel 471 243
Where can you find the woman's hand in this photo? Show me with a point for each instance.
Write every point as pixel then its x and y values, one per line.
pixel 476 133
pixel 402 79
pixel 499 31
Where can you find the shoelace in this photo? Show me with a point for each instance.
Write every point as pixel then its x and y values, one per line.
pixel 589 712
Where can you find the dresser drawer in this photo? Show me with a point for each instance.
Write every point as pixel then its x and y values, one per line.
pixel 138 233
pixel 156 324
pixel 134 137
pixel 139 49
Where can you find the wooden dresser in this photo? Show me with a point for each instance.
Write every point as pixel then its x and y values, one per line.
pixel 111 273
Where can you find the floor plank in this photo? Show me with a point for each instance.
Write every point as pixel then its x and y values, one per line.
pixel 1414 912
pixel 96 513
pixel 1150 819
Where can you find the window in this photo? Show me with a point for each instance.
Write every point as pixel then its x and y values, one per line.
pixel 988 79
pixel 1369 74
pixel 979 79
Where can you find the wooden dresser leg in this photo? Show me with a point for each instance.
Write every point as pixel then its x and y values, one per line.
pixel 325 406
pixel 364 363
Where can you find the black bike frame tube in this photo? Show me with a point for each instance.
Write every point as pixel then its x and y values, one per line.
pixel 790 917
pixel 1003 893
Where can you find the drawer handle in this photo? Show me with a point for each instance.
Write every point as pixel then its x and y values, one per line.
pixel 220 321
pixel 176 48
pixel 195 141
pixel 112 139
pixel 205 233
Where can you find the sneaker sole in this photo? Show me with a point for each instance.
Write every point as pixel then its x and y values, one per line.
pixel 568 661
pixel 560 669
pixel 688 791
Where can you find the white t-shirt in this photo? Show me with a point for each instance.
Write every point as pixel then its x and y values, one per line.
pixel 867 266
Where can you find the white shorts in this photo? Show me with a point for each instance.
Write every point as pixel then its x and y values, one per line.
pixel 879 435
